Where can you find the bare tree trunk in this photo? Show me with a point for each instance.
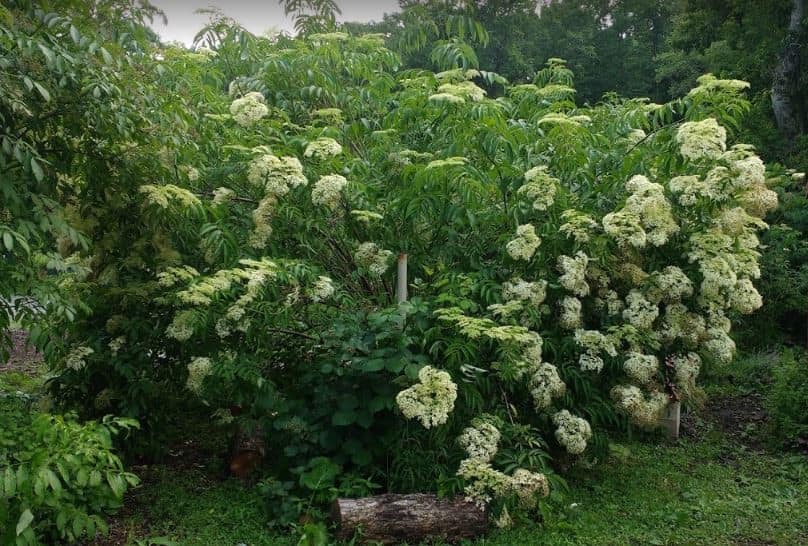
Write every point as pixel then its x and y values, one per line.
pixel 392 519
pixel 786 77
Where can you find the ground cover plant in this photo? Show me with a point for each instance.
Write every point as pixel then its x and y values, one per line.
pixel 214 231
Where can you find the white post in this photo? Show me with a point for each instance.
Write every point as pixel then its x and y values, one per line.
pixel 671 419
pixel 401 278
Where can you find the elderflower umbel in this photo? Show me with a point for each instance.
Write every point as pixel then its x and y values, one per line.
pixel 370 256
pixel 577 225
pixel 643 411
pixel 322 148
pixel 525 244
pixel 75 358
pixel 116 344
pixel 744 298
pixel 572 432
pixel 640 312
pixel 532 292
pixel 327 190
pixel 570 317
pixel 701 139
pixel 480 441
pixel 539 188
pixel 641 368
pixel 686 370
pixel 262 218
pixel 198 370
pixel 276 174
pixel 249 109
pixel 573 273
pixel 431 400
pixel 322 290
pixel 222 195
pixel 545 384
pixel 181 328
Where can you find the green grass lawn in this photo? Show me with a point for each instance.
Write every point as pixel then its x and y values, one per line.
pixel 713 487
pixel 707 491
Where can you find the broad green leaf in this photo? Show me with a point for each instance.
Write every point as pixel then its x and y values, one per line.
pixel 25 521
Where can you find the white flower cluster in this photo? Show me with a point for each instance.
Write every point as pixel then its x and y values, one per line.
pixel 577 225
pixel 431 400
pixel 462 90
pixel 641 368
pixel 75 359
pixel 646 217
pixel 525 244
pixel 570 317
pixel 249 109
pixel 276 174
pixel 594 343
pixel 322 290
pixel 117 344
pixel 166 194
pixel 572 432
pixel 481 441
pixel 173 275
pixel 327 190
pixel 573 273
pixel 701 139
pixel 670 285
pixel 483 481
pixel 223 195
pixel 181 328
pixel 262 221
pixel 519 290
pixel 640 312
pixel 540 187
pixel 323 148
pixel 686 370
pixel 643 411
pixel 545 384
pixel 373 258
pixel 198 370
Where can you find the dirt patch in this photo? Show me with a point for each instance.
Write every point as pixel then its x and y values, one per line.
pixel 742 419
pixel 23 357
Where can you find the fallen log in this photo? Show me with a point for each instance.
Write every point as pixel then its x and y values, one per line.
pixel 392 518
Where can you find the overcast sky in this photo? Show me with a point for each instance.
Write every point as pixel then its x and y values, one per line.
pixel 254 15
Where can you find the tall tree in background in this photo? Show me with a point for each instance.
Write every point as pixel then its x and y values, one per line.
pixel 785 81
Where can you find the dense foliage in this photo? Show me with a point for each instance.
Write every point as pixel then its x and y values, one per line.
pixel 217 229
pixel 60 478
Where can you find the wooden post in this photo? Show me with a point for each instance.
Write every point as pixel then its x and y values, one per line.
pixel 401 278
pixel 670 420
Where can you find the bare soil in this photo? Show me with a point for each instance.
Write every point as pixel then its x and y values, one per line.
pixel 23 357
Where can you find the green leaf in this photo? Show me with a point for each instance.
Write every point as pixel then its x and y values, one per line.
pixel 9 482
pixel 373 365
pixel 42 91
pixel 53 481
pixel 39 174
pixel 343 418
pixel 8 242
pixel 25 521
pixel 74 33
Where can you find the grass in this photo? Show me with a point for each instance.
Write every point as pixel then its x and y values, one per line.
pixel 695 492
pixel 711 488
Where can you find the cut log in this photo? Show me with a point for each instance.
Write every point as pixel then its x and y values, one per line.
pixel 392 518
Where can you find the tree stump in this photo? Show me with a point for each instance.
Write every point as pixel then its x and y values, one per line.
pixel 392 518
pixel 248 451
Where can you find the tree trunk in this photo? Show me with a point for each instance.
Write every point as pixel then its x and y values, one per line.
pixel 786 77
pixel 391 519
